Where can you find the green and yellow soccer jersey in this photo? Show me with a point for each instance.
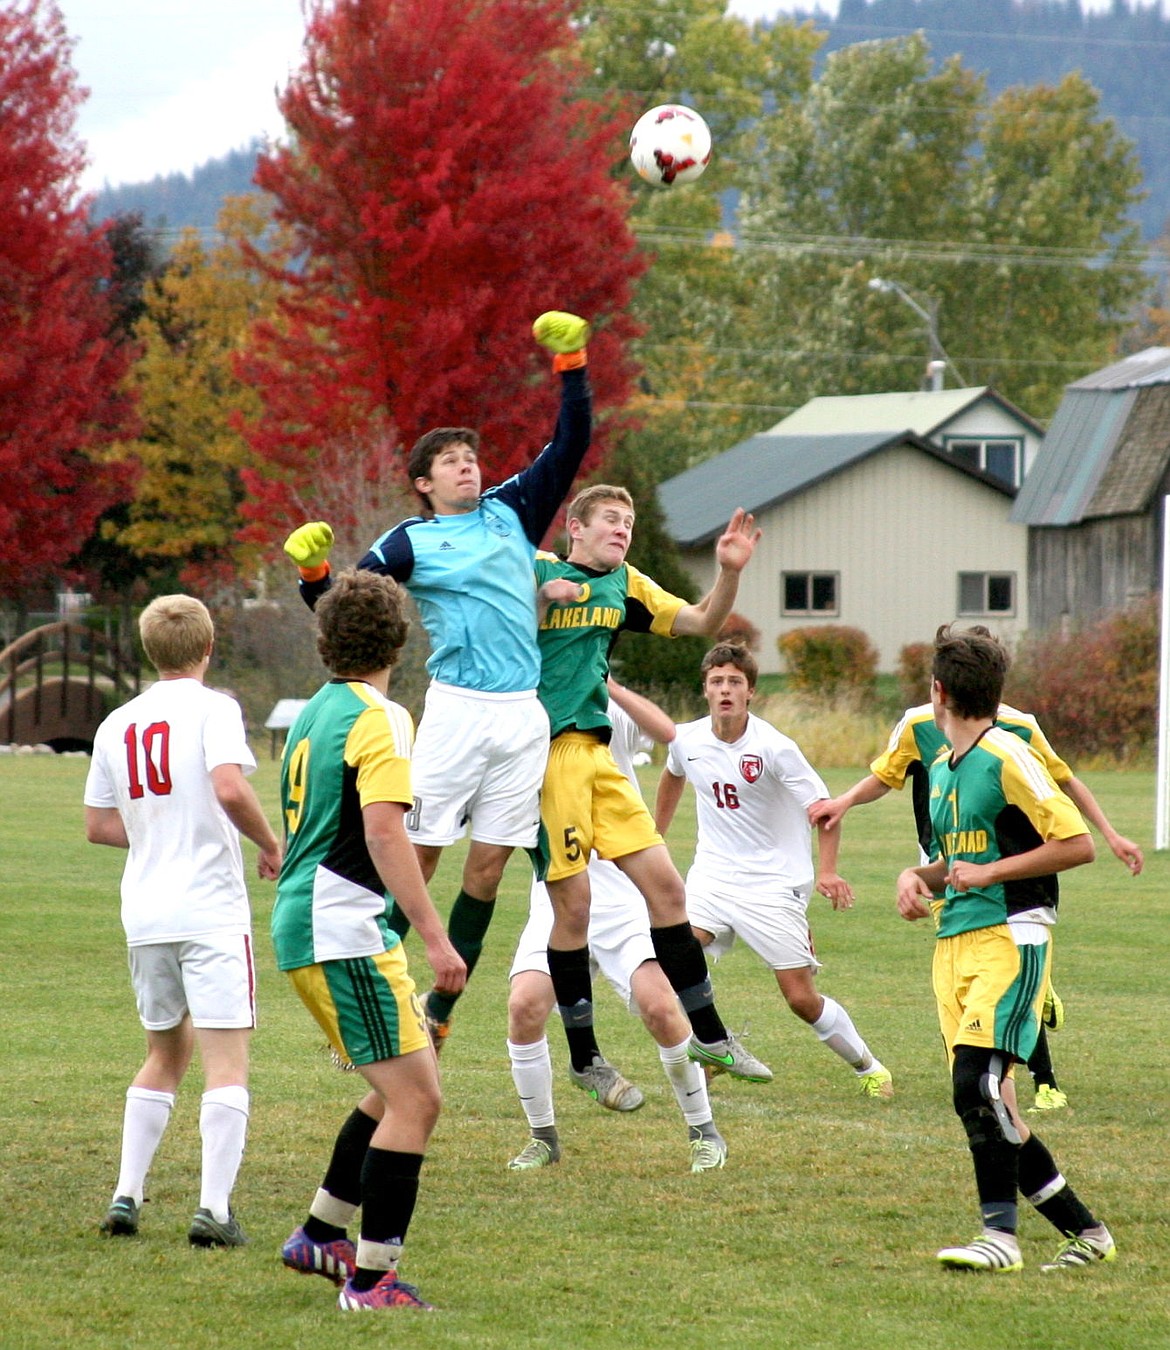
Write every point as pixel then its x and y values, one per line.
pixel 997 801
pixel 576 639
pixel 349 747
pixel 915 744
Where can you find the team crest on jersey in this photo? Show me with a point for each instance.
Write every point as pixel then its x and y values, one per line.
pixel 498 526
pixel 751 766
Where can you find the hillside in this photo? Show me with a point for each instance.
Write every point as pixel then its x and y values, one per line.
pixel 1124 52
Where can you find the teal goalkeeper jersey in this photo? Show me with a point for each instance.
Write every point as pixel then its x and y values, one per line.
pixel 996 801
pixel 349 747
pixel 575 639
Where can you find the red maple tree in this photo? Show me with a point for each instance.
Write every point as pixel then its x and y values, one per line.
pixel 60 362
pixel 447 180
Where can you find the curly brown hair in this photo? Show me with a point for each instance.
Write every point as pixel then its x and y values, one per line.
pixel 361 623
pixel 971 666
pixel 731 654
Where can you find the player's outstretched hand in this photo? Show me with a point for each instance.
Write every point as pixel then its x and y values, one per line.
pixel 827 812
pixel 737 543
pixel 914 896
pixel 565 335
pixel 310 545
pixel 836 889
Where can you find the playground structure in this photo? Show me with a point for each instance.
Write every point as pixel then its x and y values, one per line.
pixel 58 681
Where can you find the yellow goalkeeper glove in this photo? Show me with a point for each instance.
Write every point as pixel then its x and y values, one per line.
pixel 565 335
pixel 308 546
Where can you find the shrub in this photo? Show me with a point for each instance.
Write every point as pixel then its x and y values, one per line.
pixel 739 628
pixel 1095 690
pixel 914 666
pixel 830 660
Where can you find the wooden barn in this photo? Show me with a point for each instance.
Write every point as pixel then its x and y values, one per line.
pixel 1092 501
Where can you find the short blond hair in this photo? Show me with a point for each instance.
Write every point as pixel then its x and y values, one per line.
pixel 176 631
pixel 588 499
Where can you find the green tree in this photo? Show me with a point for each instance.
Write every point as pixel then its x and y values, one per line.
pixel 185 509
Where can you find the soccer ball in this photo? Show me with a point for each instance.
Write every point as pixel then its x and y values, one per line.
pixel 670 144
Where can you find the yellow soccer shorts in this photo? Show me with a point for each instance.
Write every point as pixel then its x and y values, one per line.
pixel 989 991
pixel 366 1005
pixel 586 804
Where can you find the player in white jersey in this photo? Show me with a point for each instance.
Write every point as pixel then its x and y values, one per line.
pixel 621 947
pixel 753 871
pixel 167 782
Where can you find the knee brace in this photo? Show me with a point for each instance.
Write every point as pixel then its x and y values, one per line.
pixel 976 1077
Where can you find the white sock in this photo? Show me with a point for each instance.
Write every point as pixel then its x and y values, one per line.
pixel 532 1073
pixel 835 1028
pixel 223 1127
pixel 688 1082
pixel 143 1124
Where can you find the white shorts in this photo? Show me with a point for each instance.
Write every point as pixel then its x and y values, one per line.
pixel 619 930
pixel 213 978
pixel 478 759
pixel 773 923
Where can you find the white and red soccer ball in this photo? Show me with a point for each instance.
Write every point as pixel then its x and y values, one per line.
pixel 670 144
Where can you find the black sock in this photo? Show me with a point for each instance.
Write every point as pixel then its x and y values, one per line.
pixel 680 954
pixel 343 1179
pixel 1040 1064
pixel 997 1168
pixel 573 987
pixel 389 1192
pixel 1047 1191
pixel 469 922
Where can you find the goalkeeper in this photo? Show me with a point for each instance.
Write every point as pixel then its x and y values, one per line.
pixel 479 757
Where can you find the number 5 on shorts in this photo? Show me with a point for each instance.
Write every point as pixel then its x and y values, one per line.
pixel 572 844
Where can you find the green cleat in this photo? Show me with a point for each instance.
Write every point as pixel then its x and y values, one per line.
pixel 877 1083
pixel 535 1153
pixel 729 1056
pixel 605 1085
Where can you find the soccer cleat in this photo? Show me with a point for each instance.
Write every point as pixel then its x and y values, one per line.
pixel 336 1260
pixel 605 1085
pixel 389 1292
pixel 535 1153
pixel 438 1031
pixel 1052 1014
pixel 707 1155
pixel 207 1231
pixel 729 1056
pixel 1084 1250
pixel 121 1218
pixel 878 1083
pixel 997 1252
pixel 1048 1098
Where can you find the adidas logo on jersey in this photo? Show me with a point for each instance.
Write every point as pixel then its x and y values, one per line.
pixel 936 791
pixel 974 1025
pixel 446 544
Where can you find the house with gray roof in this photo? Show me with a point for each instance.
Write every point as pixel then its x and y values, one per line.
pixel 882 529
pixel 1092 503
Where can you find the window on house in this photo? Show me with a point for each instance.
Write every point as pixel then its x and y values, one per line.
pixel 987 593
pixel 808 592
pixel 998 457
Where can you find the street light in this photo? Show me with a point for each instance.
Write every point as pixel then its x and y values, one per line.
pixel 938 360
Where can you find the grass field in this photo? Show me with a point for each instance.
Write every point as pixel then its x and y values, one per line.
pixel 821 1231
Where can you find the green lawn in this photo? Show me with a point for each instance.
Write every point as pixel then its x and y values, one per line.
pixel 821 1231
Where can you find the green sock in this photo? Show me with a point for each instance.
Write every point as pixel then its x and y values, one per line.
pixel 467 926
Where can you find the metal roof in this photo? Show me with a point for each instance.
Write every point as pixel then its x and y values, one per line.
pixel 922 411
pixel 764 470
pixel 1151 366
pixel 1076 452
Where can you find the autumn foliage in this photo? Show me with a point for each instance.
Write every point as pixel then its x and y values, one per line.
pixel 446 181
pixel 60 363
